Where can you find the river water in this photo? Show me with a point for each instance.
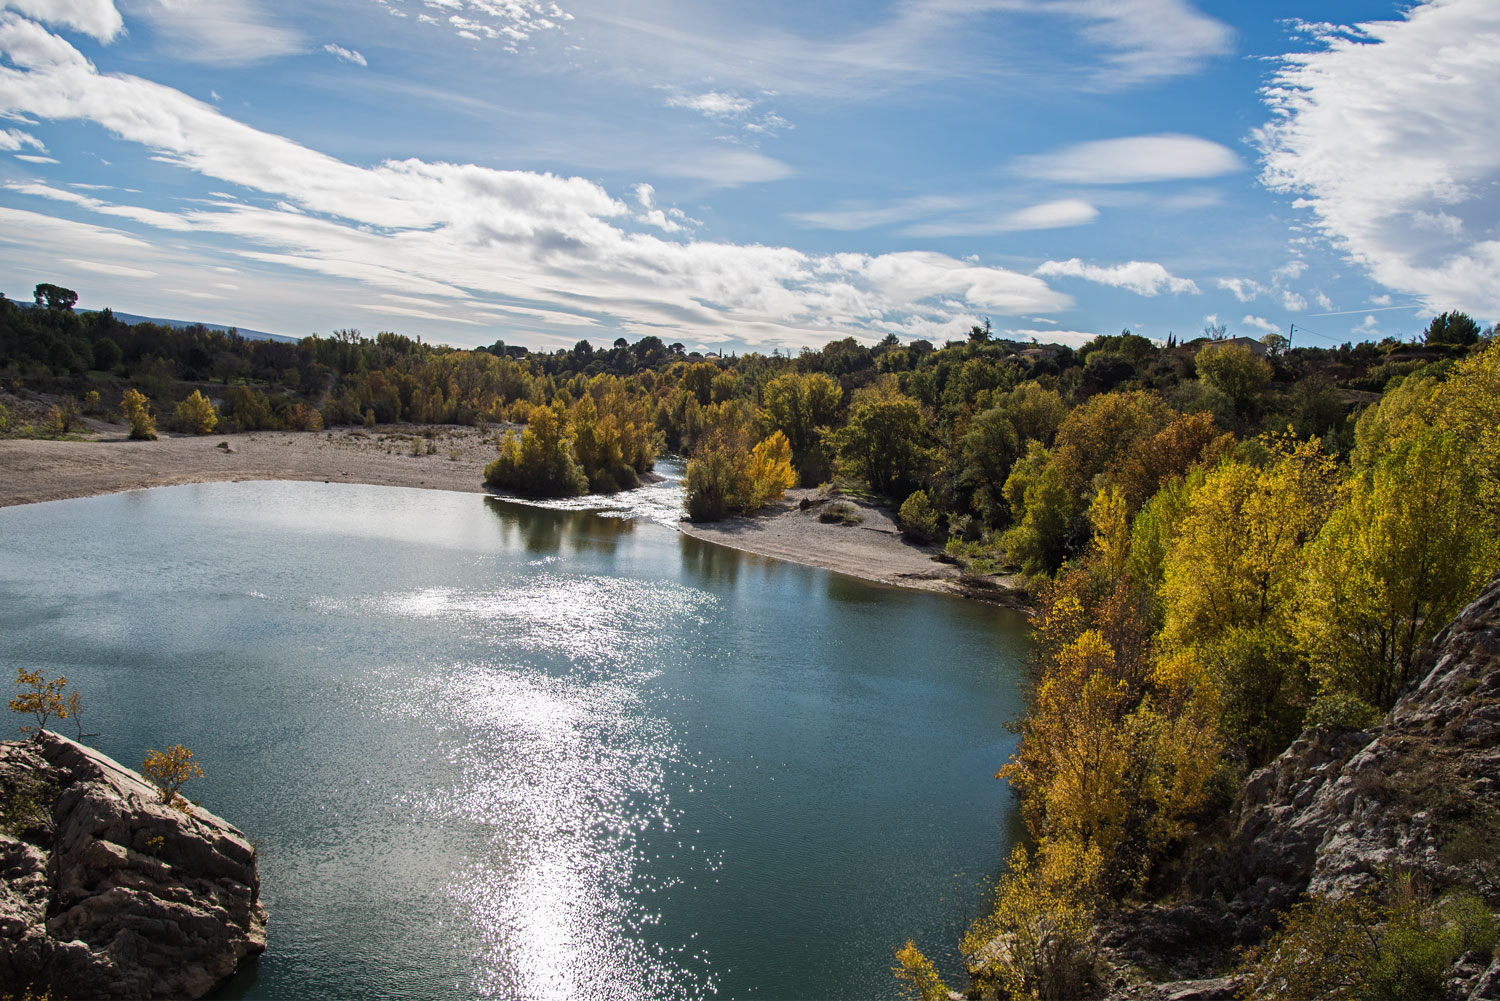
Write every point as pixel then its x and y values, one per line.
pixel 496 750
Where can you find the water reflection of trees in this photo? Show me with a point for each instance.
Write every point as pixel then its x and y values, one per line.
pixel 550 530
pixel 711 561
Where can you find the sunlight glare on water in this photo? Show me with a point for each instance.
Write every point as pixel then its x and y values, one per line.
pixel 495 749
pixel 564 773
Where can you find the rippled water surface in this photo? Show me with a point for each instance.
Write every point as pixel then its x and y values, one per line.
pixel 496 750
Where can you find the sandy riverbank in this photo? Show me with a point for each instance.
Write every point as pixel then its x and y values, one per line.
pixel 872 550
pixel 32 471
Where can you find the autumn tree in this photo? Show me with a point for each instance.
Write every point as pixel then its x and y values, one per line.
pixel 1231 578
pixel 169 770
pixel 1391 567
pixel 540 461
pixel 1038 942
pixel 41 698
pixel 137 411
pixel 802 407
pixel 1235 371
pixel 195 414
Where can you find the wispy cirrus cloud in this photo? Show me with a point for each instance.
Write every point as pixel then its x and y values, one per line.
pixel 97 18
pixel 1417 209
pixel 233 32
pixel 345 55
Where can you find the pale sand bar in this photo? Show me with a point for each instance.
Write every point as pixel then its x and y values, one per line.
pixel 33 471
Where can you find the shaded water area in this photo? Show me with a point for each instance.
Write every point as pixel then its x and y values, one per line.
pixel 489 749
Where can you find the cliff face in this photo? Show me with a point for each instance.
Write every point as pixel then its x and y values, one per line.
pixel 1421 791
pixel 108 892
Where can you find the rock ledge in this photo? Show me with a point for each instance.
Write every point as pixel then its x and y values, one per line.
pixel 109 893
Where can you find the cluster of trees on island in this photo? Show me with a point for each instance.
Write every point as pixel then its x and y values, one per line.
pixel 1230 541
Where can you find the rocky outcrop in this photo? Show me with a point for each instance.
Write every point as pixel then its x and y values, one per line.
pixel 108 892
pixel 1420 791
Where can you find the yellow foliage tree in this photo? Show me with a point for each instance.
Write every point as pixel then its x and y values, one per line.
pixel 40 697
pixel 917 975
pixel 1071 763
pixel 1231 577
pixel 1037 943
pixel 195 414
pixel 1391 567
pixel 168 770
pixel 137 410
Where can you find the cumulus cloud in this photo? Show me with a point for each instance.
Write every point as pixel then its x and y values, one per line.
pixel 1132 160
pixel 1260 323
pixel 1141 277
pixel 478 238
pixel 1417 208
pixel 345 55
pixel 1244 289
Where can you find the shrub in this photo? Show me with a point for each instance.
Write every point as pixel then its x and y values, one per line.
pixel 840 513
pixel 1337 711
pixel 301 417
pixel 918 519
pixel 137 411
pixel 168 770
pixel 540 461
pixel 195 415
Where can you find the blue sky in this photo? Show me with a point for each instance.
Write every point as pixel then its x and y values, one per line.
pixel 756 176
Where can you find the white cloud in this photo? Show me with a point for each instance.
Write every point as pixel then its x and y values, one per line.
pixel 1133 159
pixel 34 158
pixel 645 194
pixel 480 238
pixel 1072 338
pixel 119 270
pixel 98 18
pixel 1244 289
pixel 345 55
pixel 1141 277
pixel 233 32
pixel 853 216
pixel 1048 215
pixel 712 104
pixel 15 139
pixel 1260 323
pixel 1292 301
pixel 508 22
pixel 728 168
pixel 1417 208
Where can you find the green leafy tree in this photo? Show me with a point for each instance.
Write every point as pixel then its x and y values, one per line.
pixel 55 297
pixel 918 519
pixel 1452 328
pixel 802 407
pixel 886 442
pixel 1235 371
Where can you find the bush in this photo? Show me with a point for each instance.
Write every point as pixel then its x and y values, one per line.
pixel 1337 711
pixel 918 519
pixel 840 513
pixel 301 417
pixel 168 770
pixel 538 463
pixel 195 415
pixel 137 411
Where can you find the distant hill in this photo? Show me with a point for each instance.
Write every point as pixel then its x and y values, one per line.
pixel 245 332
